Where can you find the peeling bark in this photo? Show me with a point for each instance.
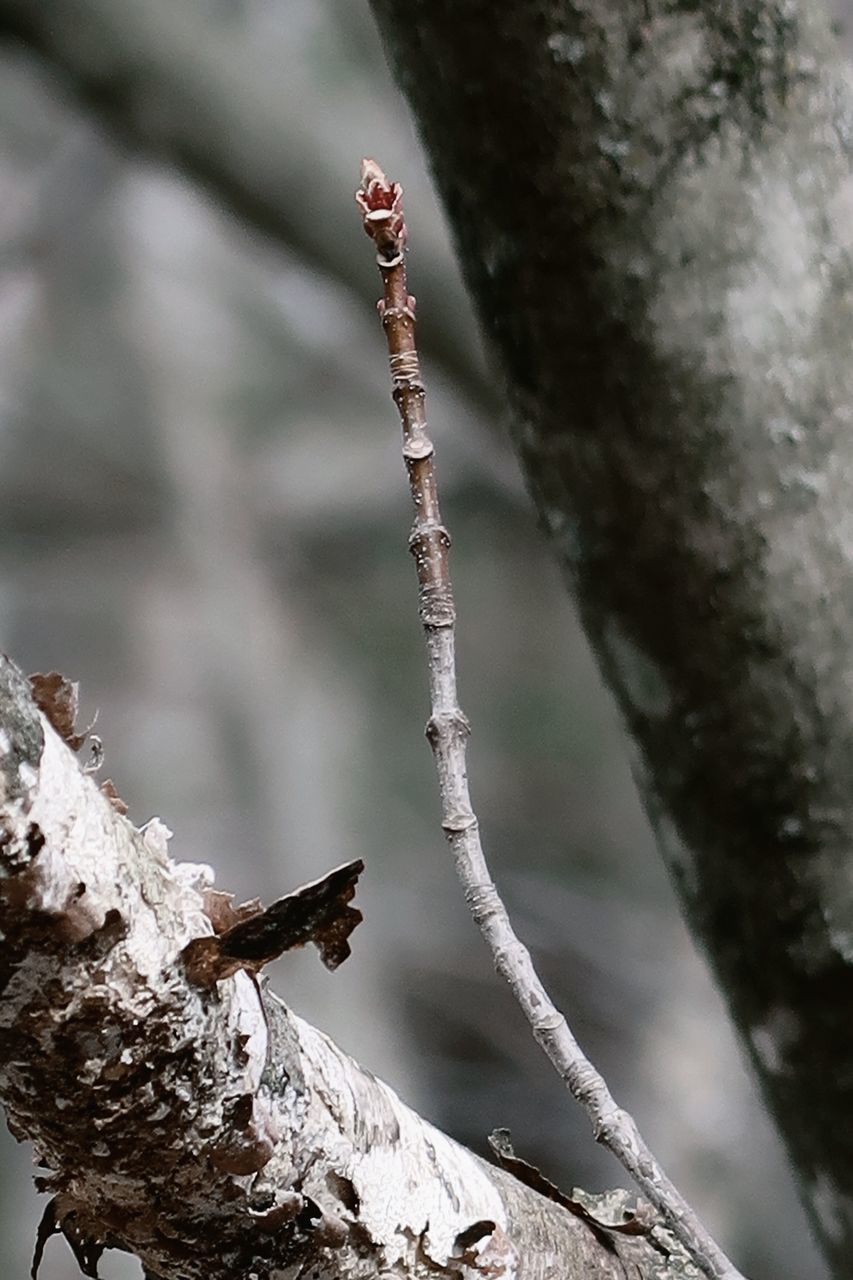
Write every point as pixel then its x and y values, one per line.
pixel 210 1132
pixel 653 207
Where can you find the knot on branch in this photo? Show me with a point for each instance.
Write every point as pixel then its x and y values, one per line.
pixel 415 449
pixel 427 536
pixel 456 824
pixel 444 727
pixel 436 605
pixel 405 371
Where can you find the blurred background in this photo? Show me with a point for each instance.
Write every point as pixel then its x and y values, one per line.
pixel 204 521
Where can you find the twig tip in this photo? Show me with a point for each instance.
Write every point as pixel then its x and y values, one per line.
pixel 381 205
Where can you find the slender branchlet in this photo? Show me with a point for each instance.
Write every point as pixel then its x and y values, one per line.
pixel 380 202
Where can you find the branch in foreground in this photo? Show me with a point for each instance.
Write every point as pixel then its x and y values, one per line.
pixel 206 1129
pixel 381 204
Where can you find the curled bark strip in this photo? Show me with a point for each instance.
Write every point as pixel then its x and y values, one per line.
pixel 624 1214
pixel 223 915
pixel 108 788
pixel 58 698
pixel 62 1217
pixel 487 1250
pixel 319 912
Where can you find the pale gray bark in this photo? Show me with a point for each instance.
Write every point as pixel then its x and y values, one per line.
pixel 652 204
pixel 214 1134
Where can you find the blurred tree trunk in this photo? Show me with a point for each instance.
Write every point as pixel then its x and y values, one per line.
pixel 184 83
pixel 652 207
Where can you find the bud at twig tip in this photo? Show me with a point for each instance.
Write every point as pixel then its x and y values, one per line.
pixel 381 205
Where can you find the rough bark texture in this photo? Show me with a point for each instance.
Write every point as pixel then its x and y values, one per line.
pixel 212 1133
pixel 653 206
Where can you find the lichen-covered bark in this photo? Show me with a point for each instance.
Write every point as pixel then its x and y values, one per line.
pixel 212 1133
pixel 653 207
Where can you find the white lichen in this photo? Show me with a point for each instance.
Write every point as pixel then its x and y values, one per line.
pixel 565 48
pixel 772 1039
pixel 833 1210
pixel 639 677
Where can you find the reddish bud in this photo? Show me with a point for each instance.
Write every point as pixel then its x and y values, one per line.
pixel 381 204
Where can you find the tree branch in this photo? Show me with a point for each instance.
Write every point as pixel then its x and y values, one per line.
pixel 209 1131
pixel 447 730
pixel 652 209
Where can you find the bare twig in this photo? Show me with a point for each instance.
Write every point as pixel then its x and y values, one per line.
pixel 380 202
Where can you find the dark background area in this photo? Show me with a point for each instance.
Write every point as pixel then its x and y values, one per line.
pixel 204 521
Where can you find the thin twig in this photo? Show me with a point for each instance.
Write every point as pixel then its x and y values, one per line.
pixel 380 202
